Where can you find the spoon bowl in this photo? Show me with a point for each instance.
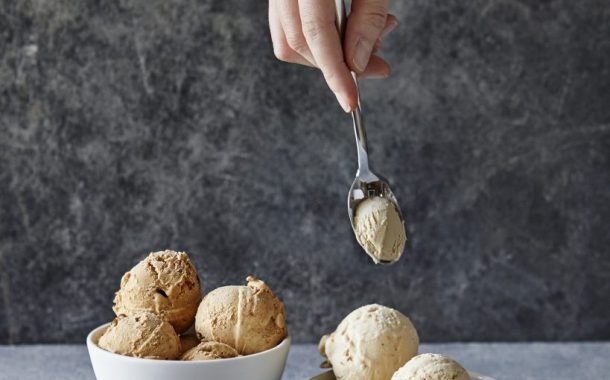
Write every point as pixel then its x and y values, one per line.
pixel 362 189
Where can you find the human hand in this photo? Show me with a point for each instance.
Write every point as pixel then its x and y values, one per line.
pixel 304 32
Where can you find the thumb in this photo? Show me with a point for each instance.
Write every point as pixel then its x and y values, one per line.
pixel 364 26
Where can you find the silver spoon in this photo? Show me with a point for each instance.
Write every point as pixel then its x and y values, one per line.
pixel 366 184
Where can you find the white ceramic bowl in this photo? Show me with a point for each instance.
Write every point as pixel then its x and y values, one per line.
pixel 266 365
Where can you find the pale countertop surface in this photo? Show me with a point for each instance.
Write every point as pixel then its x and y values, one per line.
pixel 502 361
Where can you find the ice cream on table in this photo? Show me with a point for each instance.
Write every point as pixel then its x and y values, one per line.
pixel 371 343
pixel 379 229
pixel 431 367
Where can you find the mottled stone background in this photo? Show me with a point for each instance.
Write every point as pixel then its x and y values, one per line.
pixel 138 125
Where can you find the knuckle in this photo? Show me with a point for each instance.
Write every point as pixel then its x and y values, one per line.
pixel 297 42
pixel 282 52
pixel 312 29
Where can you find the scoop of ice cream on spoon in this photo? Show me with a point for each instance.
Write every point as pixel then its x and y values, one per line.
pixel 373 210
pixel 379 229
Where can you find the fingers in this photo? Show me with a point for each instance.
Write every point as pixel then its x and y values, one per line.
pixel 318 24
pixel 377 68
pixel 365 25
pixel 281 49
pixel 304 32
pixel 391 23
pixel 288 12
pixel 377 46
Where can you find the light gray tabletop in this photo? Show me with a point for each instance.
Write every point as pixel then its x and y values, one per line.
pixel 503 361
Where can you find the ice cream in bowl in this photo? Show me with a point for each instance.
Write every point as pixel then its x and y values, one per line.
pixel 165 328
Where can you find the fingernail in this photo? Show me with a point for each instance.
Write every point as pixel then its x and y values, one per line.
pixel 343 102
pixel 363 54
pixel 388 28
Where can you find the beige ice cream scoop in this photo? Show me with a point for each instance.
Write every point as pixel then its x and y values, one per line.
pixel 210 351
pixel 431 367
pixel 143 335
pixel 188 341
pixel 165 283
pixel 371 343
pixel 379 229
pixel 249 318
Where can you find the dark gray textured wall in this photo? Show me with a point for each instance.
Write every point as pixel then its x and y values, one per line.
pixel 141 125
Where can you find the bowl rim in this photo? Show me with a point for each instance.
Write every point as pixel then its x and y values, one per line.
pixel 92 345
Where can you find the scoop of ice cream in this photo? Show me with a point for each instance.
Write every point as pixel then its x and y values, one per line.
pixel 188 341
pixel 143 335
pixel 210 351
pixel 431 367
pixel 165 283
pixel 379 229
pixel 371 343
pixel 249 318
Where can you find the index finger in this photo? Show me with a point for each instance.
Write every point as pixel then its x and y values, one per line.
pixel 318 23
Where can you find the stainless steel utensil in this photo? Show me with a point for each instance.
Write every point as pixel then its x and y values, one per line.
pixel 366 184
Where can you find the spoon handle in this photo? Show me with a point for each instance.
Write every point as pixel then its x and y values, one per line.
pixel 359 131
